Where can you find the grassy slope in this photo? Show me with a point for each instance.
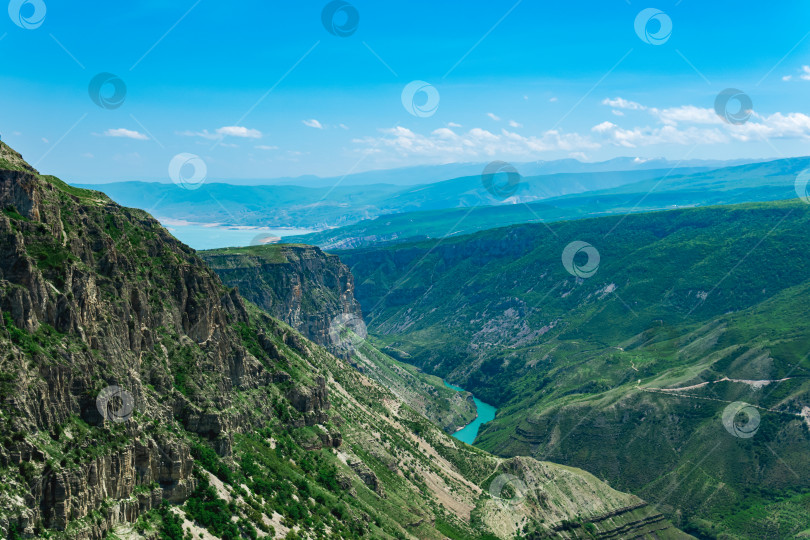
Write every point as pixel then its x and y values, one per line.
pixel 427 394
pixel 699 295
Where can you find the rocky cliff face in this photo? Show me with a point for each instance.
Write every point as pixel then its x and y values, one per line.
pixel 94 295
pixel 301 285
pixel 313 292
pixel 131 379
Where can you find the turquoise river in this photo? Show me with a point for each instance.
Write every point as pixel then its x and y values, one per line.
pixel 486 412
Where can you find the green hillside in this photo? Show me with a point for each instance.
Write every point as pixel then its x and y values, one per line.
pixel 587 372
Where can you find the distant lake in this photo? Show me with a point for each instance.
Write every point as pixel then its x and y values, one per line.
pixel 202 236
pixel 486 413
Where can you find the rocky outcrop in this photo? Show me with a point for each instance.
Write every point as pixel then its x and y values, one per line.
pixel 367 476
pixel 300 285
pixel 63 495
pixel 311 401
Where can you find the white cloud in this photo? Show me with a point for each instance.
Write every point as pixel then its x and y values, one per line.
pixel 239 131
pixel 313 123
pixel 668 134
pixel 46 141
pixel 688 125
pixel 621 103
pixel 445 133
pixel 552 100
pixel 604 127
pixel 803 74
pixel 774 126
pixel 494 117
pixel 266 147
pixel 686 114
pixel 204 134
pixel 514 124
pixel 343 126
pixel 126 133
pixel 685 125
pixel 445 144
pixel 226 131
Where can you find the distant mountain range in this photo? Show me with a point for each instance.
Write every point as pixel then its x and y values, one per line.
pixel 769 181
pixel 322 207
pixel 430 174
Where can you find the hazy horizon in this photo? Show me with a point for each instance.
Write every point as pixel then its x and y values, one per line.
pixel 346 180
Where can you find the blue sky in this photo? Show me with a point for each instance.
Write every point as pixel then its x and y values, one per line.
pixel 261 89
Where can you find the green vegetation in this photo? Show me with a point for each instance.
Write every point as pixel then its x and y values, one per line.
pixel 235 417
pixel 87 195
pixel 50 256
pixel 205 507
pixel 11 212
pixel 267 254
pixel 307 288
pixel 211 462
pixel 712 297
pixel 170 524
